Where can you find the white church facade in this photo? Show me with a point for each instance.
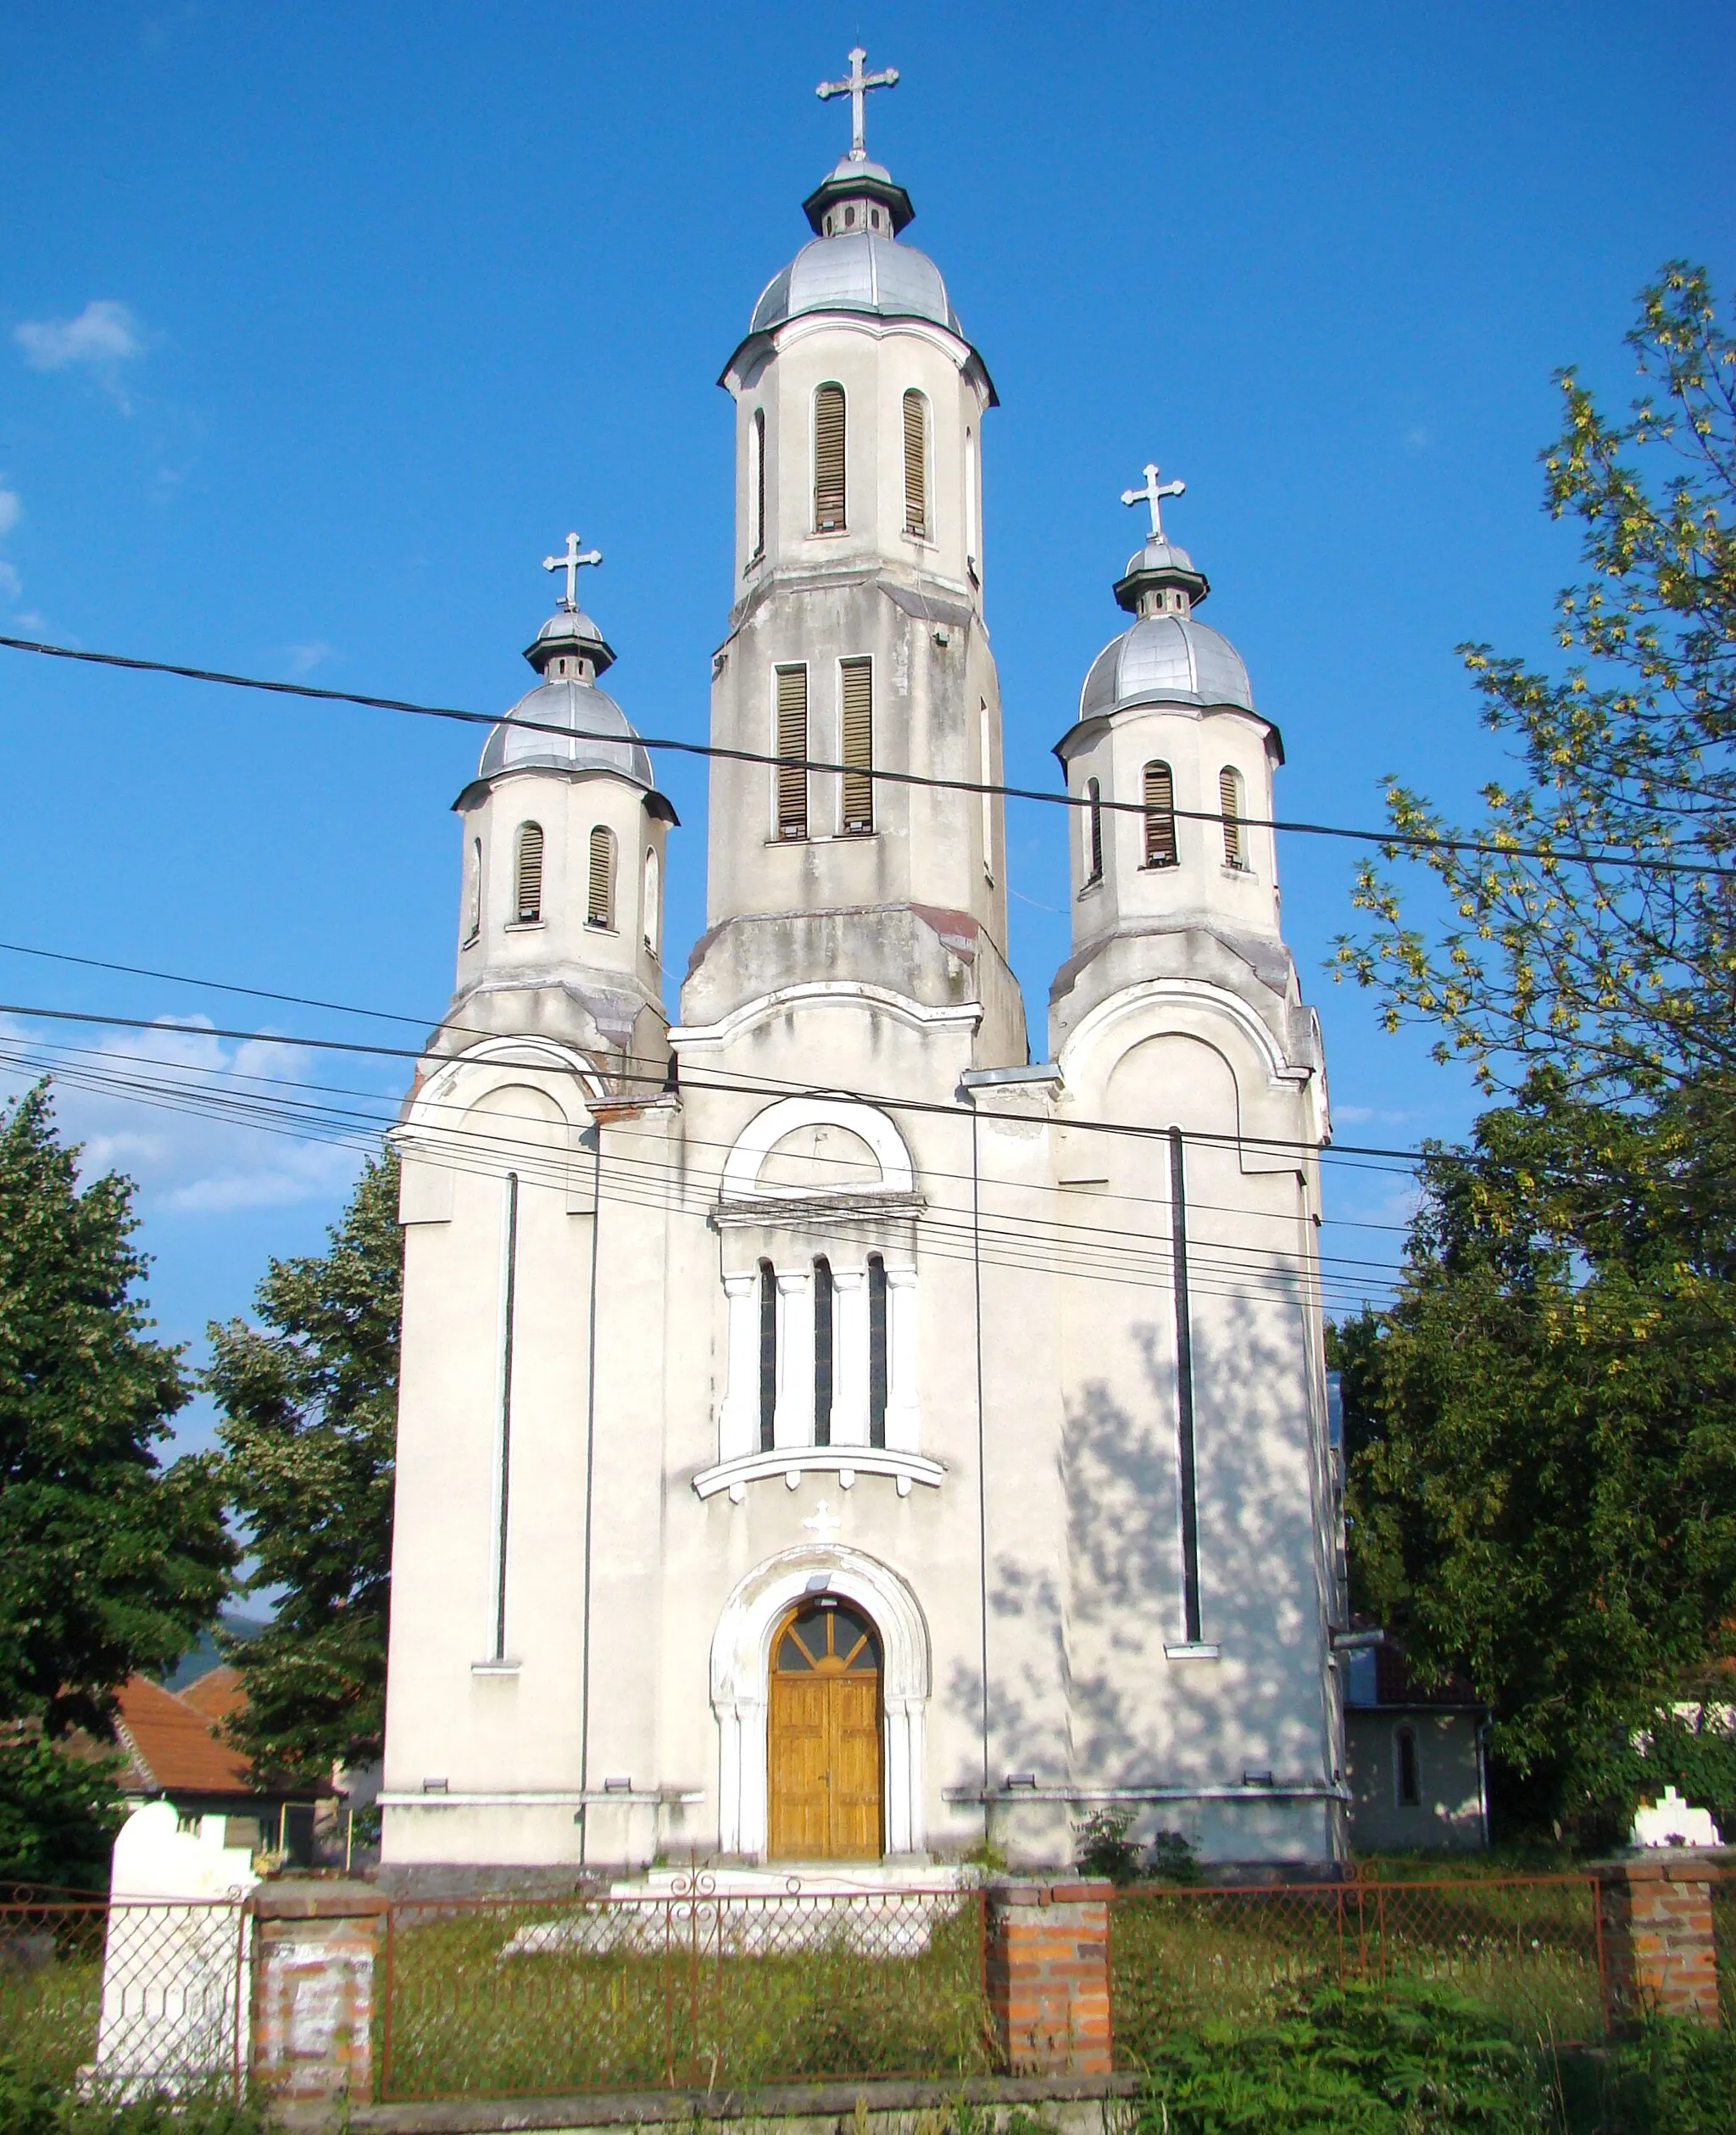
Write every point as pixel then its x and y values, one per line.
pixel 825 1435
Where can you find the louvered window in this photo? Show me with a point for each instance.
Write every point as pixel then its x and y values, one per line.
pixel 829 459
pixel 1160 816
pixel 1229 802
pixel 1094 833
pixel 876 1350
pixel 768 1357
pixel 915 465
pixel 823 1324
pixel 858 744
pixel 529 873
pixel 652 901
pixel 792 741
pixel 473 899
pixel 599 901
pixel 759 485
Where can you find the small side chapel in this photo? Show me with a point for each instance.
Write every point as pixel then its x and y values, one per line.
pixel 828 1436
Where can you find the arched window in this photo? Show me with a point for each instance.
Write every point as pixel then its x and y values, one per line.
pixel 970 501
pixel 1094 833
pixel 1229 802
pixel 916 465
pixel 756 484
pixel 599 902
pixel 829 459
pixel 473 894
pixel 768 1357
pixel 652 912
pixel 792 741
pixel 530 874
pixel 985 776
pixel 858 680
pixel 1407 1770
pixel 1160 816
pixel 824 1323
pixel 876 1350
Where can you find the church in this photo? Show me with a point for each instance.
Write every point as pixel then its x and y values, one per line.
pixel 828 1435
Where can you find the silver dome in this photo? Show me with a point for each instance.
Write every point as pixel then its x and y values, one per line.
pixel 859 271
pixel 1165 660
pixel 569 711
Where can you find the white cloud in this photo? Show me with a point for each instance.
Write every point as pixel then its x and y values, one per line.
pixel 104 334
pixel 11 511
pixel 11 585
pixel 196 1162
pixel 301 659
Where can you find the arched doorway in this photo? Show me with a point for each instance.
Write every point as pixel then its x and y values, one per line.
pixel 823 1761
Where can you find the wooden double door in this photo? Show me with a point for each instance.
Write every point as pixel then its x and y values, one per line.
pixel 823 1746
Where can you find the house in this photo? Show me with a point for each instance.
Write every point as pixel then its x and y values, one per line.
pixel 175 1752
pixel 1415 1759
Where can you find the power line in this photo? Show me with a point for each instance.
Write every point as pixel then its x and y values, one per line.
pixel 655 1082
pixel 1416 841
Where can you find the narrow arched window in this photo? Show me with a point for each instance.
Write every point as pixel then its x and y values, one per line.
pixel 1160 816
pixel 768 1357
pixel 652 909
pixel 824 1323
pixel 1407 1768
pixel 1229 802
pixel 790 743
pixel 829 459
pixel 1094 833
pixel 876 1350
pixel 985 775
pixel 473 894
pixel 529 874
pixel 857 678
pixel 970 501
pixel 599 900
pixel 756 484
pixel 916 465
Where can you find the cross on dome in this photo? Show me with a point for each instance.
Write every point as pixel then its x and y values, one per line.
pixel 855 85
pixel 1153 493
pixel 572 563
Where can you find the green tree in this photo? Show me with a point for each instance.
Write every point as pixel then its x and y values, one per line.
pixel 1622 976
pixel 111 1563
pixel 1541 1435
pixel 309 1401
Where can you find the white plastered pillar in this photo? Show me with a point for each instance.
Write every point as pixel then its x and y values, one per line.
pixel 903 1422
pixel 849 1384
pixel 738 1412
pixel 792 1420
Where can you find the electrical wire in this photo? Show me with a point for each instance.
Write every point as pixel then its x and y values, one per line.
pixel 1415 841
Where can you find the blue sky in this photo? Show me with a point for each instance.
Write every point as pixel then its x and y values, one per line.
pixel 321 326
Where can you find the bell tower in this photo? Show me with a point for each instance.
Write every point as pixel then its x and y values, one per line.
pixel 856 650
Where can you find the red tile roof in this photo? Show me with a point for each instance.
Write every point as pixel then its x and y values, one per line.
pixel 171 1747
pixel 215 1695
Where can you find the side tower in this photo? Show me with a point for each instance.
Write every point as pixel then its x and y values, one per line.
pixel 1197 1413
pixel 556 1014
pixel 857 642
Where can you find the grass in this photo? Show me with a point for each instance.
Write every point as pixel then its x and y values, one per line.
pixel 478 2007
pixel 51 1998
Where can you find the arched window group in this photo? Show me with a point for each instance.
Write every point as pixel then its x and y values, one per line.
pixel 1160 847
pixel 832 1346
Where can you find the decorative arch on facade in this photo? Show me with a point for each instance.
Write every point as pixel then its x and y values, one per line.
pixel 740 1664
pixel 435 1132
pixel 742 1166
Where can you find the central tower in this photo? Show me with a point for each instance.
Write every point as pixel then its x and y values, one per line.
pixel 856 641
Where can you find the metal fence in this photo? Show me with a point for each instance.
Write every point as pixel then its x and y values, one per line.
pixel 1526 1950
pixel 702 1987
pixel 128 1997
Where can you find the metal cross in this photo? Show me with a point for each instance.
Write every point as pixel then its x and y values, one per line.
pixel 855 85
pixel 1153 493
pixel 572 563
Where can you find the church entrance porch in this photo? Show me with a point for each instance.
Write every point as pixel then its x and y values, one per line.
pixel 823 1739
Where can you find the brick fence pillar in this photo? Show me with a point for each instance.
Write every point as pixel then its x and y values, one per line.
pixel 1046 1965
pixel 1659 1954
pixel 315 1951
